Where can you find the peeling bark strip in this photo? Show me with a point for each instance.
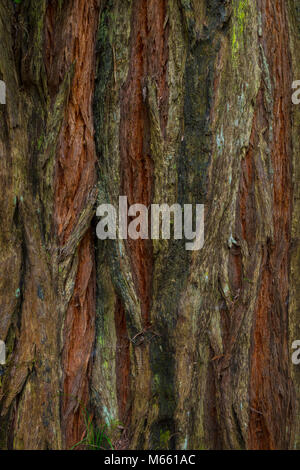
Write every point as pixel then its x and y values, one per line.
pixel 72 46
pixel 271 412
pixel 148 62
pixel 79 334
pixel 75 170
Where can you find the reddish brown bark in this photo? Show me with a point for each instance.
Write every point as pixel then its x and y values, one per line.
pixel 270 392
pixel 72 45
pixel 79 332
pixel 148 60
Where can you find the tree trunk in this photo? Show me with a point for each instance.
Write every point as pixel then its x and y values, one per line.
pixel 162 101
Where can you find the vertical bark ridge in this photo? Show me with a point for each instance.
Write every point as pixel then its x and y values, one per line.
pixel 31 382
pixel 134 68
pixel 148 58
pixel 79 334
pixel 270 398
pixel 73 46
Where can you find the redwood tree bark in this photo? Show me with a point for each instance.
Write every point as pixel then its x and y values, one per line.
pixel 163 101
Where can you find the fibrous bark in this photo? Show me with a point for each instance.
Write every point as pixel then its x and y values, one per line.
pixel 162 101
